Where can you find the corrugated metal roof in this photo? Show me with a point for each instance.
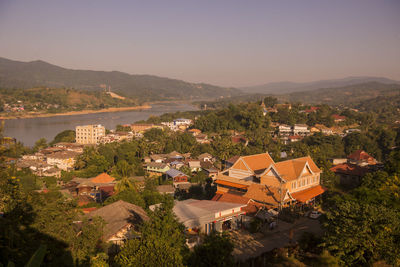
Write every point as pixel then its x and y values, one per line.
pixel 175 173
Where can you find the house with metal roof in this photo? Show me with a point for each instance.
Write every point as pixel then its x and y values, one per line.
pixel 207 216
pixel 178 177
pixel 156 169
pixel 122 220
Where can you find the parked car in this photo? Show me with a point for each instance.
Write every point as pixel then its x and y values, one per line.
pixel 315 214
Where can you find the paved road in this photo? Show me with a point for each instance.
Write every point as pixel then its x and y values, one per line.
pixel 252 245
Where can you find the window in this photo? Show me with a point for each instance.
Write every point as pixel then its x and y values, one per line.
pixel 299 183
pixel 303 182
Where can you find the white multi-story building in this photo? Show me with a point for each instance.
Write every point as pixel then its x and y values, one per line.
pixel 89 134
pixel 284 129
pixel 301 129
pixel 64 160
pixel 182 121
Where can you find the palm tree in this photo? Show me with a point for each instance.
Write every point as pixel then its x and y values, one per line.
pixel 124 184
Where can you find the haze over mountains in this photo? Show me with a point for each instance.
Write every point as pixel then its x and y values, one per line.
pixel 17 74
pixel 290 87
pixel 350 95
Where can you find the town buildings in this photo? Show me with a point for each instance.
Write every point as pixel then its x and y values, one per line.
pixel 206 216
pixel 178 124
pixel 361 158
pixel 51 160
pixel 295 130
pixel 272 184
pixel 64 160
pixel 177 177
pixel 96 189
pixel 358 164
pixel 89 134
pixel 122 220
pixel 156 168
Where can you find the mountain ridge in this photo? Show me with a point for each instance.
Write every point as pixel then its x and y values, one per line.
pixel 38 73
pixel 346 95
pixel 286 87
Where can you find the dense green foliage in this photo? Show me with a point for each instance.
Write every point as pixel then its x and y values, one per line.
pixel 363 226
pixel 31 219
pixel 161 243
pixel 216 250
pixel 67 136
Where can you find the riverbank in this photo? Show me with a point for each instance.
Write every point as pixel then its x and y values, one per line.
pixel 70 113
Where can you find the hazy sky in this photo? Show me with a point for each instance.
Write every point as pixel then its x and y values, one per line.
pixel 229 43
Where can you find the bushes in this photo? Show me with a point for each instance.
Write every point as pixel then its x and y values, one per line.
pixel 255 225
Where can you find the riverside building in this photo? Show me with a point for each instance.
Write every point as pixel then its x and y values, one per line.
pixel 89 134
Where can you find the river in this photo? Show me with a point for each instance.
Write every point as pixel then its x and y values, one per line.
pixel 28 131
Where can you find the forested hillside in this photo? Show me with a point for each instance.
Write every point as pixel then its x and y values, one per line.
pixel 349 95
pixel 46 100
pixel 15 74
pixel 291 87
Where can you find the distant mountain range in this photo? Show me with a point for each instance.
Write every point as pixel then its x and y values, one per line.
pixel 290 87
pixel 17 74
pixel 351 95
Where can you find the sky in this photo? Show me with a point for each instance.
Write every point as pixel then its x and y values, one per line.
pixel 222 42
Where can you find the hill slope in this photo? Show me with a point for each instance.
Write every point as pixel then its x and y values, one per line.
pixel 290 87
pixel 351 95
pixel 16 74
pixel 20 102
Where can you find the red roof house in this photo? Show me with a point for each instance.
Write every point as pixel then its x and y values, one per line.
pixel 362 158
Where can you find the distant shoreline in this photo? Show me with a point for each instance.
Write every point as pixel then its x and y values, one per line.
pixel 70 113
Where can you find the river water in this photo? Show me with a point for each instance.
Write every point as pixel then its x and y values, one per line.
pixel 28 131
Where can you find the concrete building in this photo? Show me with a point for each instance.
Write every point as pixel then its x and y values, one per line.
pixel 64 160
pixel 89 134
pixel 301 129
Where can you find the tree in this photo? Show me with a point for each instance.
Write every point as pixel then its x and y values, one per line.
pixel 40 144
pixel 33 219
pixel 65 136
pixel 123 168
pixel 328 179
pixel 155 134
pixel 121 128
pixel 127 195
pixel 270 101
pixel 200 177
pixel 196 191
pixel 161 243
pixel 380 188
pixel 124 184
pixel 216 250
pixel 96 165
pixel 327 260
pixel 360 234
pixel 209 189
pixel 83 159
pixel 186 170
pixel 393 162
